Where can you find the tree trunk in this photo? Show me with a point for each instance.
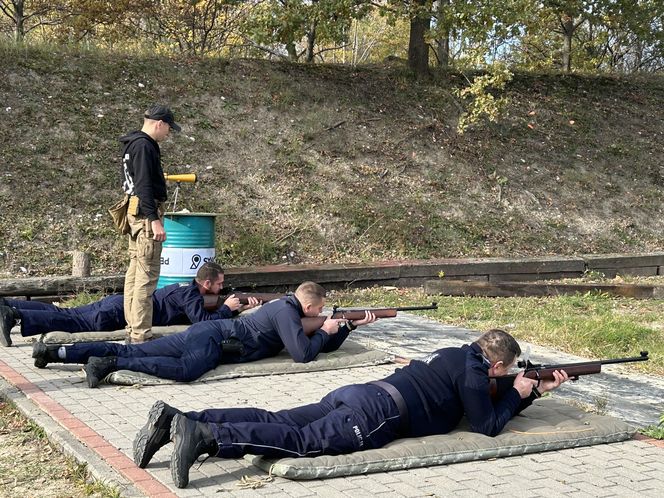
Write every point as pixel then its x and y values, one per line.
pixel 567 23
pixel 443 50
pixel 443 42
pixel 19 15
pixel 418 50
pixel 311 41
pixel 292 51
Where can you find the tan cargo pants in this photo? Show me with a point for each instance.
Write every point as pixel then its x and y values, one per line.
pixel 141 278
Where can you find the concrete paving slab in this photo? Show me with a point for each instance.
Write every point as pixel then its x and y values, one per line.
pixel 98 426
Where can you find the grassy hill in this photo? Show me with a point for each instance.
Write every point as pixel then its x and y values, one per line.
pixel 326 163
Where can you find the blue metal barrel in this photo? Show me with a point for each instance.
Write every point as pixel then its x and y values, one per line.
pixel 189 243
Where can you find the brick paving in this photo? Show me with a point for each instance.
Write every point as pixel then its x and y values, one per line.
pixel 103 422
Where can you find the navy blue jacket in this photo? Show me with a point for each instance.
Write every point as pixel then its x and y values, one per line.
pixel 449 383
pixel 178 304
pixel 278 324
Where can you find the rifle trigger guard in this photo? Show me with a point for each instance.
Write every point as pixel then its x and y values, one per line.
pixel 537 374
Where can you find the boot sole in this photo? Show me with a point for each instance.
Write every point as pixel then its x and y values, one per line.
pixel 93 382
pixel 40 361
pixel 180 480
pixel 5 340
pixel 148 435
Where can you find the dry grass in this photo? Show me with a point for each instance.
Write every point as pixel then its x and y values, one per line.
pixel 31 466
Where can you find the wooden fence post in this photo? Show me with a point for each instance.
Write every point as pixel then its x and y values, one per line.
pixel 80 264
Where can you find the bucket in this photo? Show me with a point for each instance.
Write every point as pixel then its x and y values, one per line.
pixel 189 243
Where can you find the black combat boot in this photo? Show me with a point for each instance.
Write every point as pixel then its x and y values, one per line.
pixel 8 318
pixel 155 433
pixel 44 354
pixel 98 368
pixel 192 439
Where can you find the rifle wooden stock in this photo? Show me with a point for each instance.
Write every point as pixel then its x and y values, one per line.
pixel 498 386
pixel 212 301
pixel 312 324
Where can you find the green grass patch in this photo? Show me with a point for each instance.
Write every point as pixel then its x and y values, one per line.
pixel 591 325
pixel 655 431
pixel 83 298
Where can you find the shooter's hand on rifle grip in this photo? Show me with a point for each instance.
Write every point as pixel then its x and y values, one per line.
pixel 524 385
pixel 560 376
pixel 232 302
pixel 331 325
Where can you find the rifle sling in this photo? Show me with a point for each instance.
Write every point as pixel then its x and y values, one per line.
pixel 399 401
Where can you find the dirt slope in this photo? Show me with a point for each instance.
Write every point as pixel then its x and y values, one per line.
pixel 326 163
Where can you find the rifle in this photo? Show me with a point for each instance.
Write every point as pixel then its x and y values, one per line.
pixel 311 324
pixel 212 301
pixel 498 386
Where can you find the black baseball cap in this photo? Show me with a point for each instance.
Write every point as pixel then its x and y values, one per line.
pixel 162 113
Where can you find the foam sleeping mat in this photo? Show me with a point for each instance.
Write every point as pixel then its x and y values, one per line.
pixel 349 355
pixel 547 425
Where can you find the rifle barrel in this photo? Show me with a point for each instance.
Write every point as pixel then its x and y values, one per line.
pixel 432 306
pixel 643 357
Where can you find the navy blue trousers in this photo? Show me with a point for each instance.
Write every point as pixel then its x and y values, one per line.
pixel 351 418
pixel 39 318
pixel 182 357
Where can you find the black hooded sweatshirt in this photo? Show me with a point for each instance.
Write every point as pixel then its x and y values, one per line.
pixel 141 172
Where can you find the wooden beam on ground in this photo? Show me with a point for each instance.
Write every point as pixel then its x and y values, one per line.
pixel 59 286
pixel 533 289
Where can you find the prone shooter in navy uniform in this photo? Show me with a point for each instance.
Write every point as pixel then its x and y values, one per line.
pixel 174 304
pixel 187 355
pixel 424 398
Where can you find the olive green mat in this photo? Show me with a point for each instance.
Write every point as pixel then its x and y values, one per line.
pixel 546 426
pixel 349 355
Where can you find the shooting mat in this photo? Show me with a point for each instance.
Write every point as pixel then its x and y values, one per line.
pixel 547 425
pixel 58 337
pixel 113 335
pixel 349 355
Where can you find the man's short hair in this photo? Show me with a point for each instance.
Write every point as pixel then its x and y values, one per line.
pixel 310 292
pixel 209 271
pixel 498 345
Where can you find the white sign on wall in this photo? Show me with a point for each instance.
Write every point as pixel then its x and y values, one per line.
pixel 180 262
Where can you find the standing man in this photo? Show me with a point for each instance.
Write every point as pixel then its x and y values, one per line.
pixel 143 180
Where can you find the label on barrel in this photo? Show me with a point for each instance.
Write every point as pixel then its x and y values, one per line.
pixel 176 261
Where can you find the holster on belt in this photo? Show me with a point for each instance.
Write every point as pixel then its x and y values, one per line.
pixel 232 347
pixel 133 206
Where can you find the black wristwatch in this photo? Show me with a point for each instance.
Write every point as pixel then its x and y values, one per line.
pixel 351 325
